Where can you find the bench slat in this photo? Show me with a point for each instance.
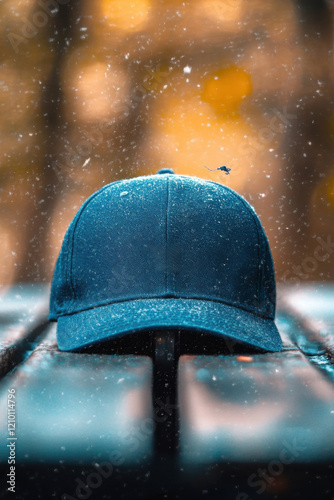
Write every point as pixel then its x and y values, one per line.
pixel 312 307
pixel 252 408
pixel 23 316
pixel 75 408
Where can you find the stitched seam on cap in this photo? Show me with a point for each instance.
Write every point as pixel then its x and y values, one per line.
pixel 200 299
pixel 259 267
pixel 167 225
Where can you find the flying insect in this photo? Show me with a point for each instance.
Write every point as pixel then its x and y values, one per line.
pixel 223 169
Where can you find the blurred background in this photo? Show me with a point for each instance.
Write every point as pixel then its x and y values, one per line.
pixel 93 92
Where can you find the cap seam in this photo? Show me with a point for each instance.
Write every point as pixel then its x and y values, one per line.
pixel 166 235
pixel 235 305
pixel 259 251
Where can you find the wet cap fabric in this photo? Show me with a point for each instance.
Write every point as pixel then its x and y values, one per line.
pixel 164 251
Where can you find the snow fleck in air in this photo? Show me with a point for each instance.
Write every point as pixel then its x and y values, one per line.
pixel 86 162
pixel 124 193
pixel 187 69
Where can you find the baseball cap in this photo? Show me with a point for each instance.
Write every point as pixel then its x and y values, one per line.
pixel 165 251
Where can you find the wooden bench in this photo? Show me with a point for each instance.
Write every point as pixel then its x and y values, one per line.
pixel 168 414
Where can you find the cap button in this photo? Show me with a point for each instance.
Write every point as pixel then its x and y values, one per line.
pixel 166 171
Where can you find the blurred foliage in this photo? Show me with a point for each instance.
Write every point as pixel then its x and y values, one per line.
pixel 97 91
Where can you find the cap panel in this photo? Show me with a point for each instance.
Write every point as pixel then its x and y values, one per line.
pixel 62 290
pixel 266 271
pixel 213 246
pixel 119 244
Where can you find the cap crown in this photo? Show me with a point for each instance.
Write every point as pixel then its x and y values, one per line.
pixel 164 236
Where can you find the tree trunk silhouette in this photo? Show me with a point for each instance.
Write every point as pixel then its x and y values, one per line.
pixel 308 148
pixel 45 191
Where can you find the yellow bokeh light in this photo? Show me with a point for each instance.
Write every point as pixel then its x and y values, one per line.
pixel 97 91
pixel 223 11
pixel 7 257
pixel 128 15
pixel 226 88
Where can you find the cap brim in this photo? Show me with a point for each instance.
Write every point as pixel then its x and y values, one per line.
pixel 106 322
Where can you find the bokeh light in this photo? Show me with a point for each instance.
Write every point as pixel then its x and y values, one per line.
pixel 114 89
pixel 226 88
pixel 129 15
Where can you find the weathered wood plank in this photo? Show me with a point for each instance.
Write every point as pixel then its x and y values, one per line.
pixel 23 316
pixel 79 407
pixel 252 408
pixel 309 311
pixel 312 306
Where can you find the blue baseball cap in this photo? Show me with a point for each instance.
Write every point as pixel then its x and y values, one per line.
pixel 164 251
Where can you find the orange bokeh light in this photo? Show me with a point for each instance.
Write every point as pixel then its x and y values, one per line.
pixel 129 15
pixel 226 88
